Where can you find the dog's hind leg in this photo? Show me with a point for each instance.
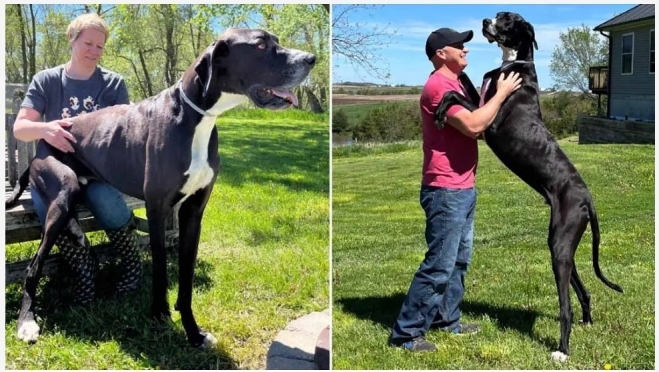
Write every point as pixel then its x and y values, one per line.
pixel 59 211
pixel 566 228
pixel 190 214
pixel 582 295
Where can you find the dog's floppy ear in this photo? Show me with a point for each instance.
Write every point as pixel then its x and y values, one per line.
pixel 204 68
pixel 531 32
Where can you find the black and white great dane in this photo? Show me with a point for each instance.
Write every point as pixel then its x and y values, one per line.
pixel 162 150
pixel 519 138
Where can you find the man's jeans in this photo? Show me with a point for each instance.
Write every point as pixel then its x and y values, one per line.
pixel 438 286
pixel 104 201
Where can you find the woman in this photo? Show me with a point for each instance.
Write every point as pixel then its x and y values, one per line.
pixel 65 91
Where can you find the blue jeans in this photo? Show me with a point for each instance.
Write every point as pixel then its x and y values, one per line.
pixel 104 201
pixel 437 288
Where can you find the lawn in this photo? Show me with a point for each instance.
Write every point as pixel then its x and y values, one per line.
pixel 378 244
pixel 263 261
pixel 355 112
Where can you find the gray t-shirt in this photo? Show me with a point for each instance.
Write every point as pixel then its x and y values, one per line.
pixel 56 96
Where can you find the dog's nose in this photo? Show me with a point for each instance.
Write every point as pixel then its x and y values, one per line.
pixel 486 22
pixel 310 59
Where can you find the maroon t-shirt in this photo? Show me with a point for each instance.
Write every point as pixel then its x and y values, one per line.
pixel 449 157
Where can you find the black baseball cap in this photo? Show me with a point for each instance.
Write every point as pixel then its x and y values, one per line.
pixel 442 37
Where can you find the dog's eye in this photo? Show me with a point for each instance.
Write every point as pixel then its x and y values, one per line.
pixel 261 45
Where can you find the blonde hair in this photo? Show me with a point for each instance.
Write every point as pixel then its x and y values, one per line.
pixel 85 21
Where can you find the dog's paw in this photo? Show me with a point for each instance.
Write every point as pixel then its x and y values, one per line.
pixel 586 323
pixel 28 331
pixel 209 341
pixel 558 357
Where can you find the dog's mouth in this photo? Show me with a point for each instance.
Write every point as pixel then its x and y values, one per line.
pixel 491 38
pixel 272 98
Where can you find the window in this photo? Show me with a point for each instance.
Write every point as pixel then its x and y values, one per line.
pixel 627 54
pixel 652 51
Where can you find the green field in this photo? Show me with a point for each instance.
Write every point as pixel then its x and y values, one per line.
pixel 371 90
pixel 378 244
pixel 356 112
pixel 263 261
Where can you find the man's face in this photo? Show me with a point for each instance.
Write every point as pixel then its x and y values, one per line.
pixel 454 56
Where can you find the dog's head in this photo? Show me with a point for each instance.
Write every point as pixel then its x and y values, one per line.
pixel 514 35
pixel 251 62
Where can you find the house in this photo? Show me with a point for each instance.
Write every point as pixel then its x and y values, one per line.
pixel 630 81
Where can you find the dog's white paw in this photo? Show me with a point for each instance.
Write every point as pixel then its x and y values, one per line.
pixel 29 331
pixel 209 341
pixel 558 356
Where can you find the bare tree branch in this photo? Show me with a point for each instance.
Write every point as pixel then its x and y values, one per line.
pixel 360 42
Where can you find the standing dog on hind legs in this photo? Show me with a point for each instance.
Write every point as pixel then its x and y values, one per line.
pixel 519 138
pixel 162 150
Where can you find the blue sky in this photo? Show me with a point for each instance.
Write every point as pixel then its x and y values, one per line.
pixel 405 56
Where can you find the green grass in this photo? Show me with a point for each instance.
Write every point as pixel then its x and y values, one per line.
pixel 370 90
pixel 355 112
pixel 374 148
pixel 263 261
pixel 378 244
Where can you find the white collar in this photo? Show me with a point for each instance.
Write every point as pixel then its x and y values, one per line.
pixel 187 100
pixel 506 64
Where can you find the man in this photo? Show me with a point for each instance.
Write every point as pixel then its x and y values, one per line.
pixel 448 196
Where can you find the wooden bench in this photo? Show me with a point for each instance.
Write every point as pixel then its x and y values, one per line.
pixel 22 223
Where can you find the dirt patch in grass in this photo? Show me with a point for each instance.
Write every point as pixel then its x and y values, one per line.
pixel 354 99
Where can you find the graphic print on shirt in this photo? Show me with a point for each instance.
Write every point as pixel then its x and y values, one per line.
pixel 76 109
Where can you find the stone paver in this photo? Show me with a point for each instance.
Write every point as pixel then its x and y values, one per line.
pixel 295 346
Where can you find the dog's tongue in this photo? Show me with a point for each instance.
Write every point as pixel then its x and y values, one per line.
pixel 285 94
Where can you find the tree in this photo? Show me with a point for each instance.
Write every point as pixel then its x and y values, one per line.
pixel 340 122
pixel 359 42
pixel 151 45
pixel 579 49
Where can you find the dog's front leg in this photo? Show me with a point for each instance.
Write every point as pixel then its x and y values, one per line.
pixel 157 213
pixel 190 214
pixel 449 99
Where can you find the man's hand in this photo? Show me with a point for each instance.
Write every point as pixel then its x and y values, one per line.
pixel 507 86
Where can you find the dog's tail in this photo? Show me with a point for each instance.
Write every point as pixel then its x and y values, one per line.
pixel 595 228
pixel 21 185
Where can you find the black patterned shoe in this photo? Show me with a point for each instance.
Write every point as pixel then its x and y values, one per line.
pixel 78 257
pixel 124 242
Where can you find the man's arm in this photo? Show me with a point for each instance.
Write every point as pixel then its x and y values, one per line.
pixel 473 123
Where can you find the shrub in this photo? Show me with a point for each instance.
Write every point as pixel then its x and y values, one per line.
pixel 399 121
pixel 561 112
pixel 340 122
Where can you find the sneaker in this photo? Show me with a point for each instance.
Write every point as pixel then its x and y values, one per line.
pixel 465 329
pixel 416 344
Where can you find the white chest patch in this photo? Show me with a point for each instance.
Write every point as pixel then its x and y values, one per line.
pixel 226 102
pixel 200 174
pixel 509 54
